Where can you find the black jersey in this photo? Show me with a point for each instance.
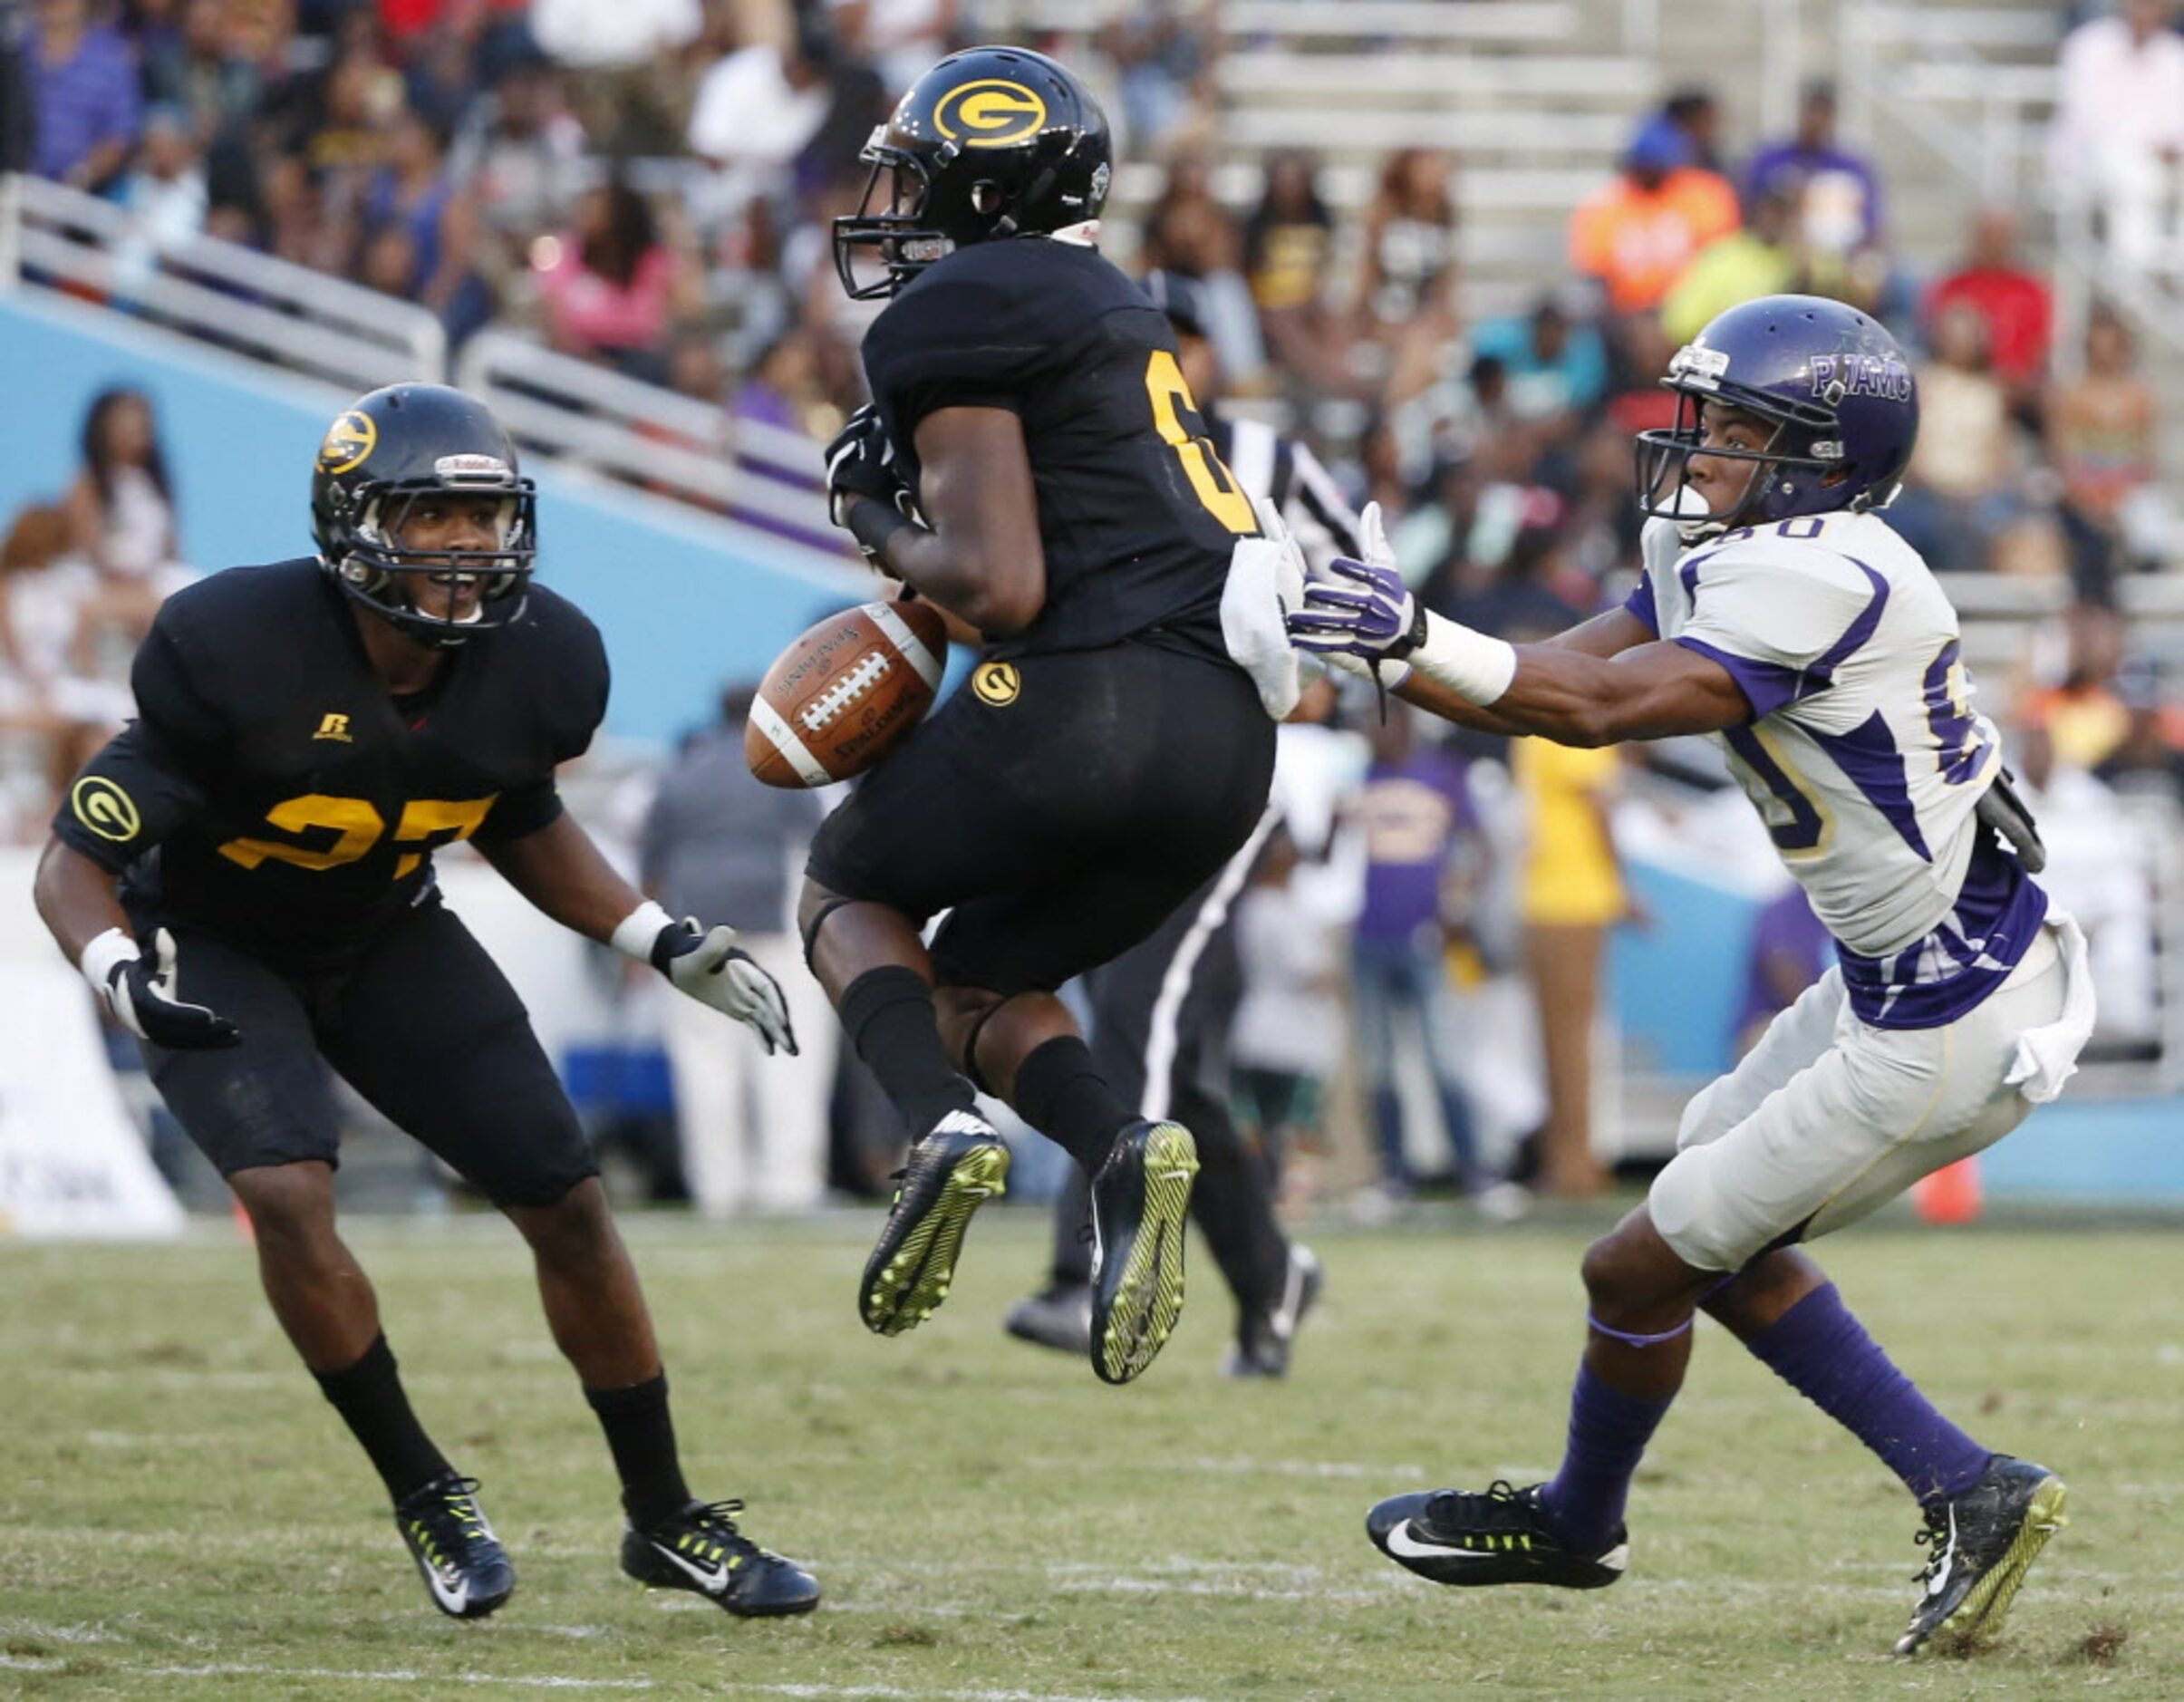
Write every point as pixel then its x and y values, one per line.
pixel 1137 513
pixel 273 791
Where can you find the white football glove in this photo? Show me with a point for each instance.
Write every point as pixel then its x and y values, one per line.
pixel 707 964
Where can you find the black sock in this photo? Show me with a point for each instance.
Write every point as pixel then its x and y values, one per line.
pixel 887 1013
pixel 1062 1095
pixel 641 1434
pixel 369 1396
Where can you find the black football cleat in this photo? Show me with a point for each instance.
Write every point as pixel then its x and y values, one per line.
pixel 1983 1542
pixel 1264 1334
pixel 700 1549
pixel 1139 1201
pixel 464 1566
pixel 954 1169
pixel 1060 1316
pixel 1500 1537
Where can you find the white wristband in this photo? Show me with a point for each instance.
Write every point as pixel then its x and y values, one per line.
pixel 1469 663
pixel 114 946
pixel 633 935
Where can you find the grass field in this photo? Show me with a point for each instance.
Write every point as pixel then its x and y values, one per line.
pixel 180 1515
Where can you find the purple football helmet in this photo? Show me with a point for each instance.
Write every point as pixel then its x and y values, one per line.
pixel 1832 382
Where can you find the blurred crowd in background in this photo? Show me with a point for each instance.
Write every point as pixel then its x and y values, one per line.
pixel 646 184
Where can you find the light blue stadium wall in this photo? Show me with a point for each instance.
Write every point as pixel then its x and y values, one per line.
pixel 685 601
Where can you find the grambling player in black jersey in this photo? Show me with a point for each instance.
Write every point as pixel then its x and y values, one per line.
pixel 1033 464
pixel 245 876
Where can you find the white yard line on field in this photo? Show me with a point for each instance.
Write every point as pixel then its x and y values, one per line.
pixel 547 1681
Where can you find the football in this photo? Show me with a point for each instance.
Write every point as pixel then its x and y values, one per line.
pixel 845 693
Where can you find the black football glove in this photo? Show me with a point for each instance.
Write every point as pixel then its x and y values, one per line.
pixel 711 968
pixel 144 993
pixel 861 462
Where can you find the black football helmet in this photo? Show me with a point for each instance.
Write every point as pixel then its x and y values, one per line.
pixel 992 142
pixel 383 453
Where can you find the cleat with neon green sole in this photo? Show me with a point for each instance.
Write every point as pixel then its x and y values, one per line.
pixel 460 1560
pixel 1139 1201
pixel 702 1551
pixel 955 1168
pixel 1984 1542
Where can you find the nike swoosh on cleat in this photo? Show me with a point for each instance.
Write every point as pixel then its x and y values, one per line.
pixel 712 1580
pixel 1948 1560
pixel 1401 1542
pixel 454 1599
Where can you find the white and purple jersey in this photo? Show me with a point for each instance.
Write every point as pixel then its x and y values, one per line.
pixel 1864 756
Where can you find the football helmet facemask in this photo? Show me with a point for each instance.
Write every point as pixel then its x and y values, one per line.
pixel 1830 380
pixel 384 455
pixel 992 142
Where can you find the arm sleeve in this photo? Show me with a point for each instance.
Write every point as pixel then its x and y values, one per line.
pixel 133 794
pixel 1781 627
pixel 156 774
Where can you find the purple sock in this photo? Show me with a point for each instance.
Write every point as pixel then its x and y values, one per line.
pixel 1822 1352
pixel 1609 1431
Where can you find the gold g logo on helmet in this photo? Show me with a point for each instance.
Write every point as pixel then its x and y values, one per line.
pixel 350 441
pixel 991 112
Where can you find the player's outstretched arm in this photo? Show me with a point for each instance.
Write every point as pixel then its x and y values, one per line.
pixel 77 900
pixel 978 554
pixel 1601 684
pixel 561 871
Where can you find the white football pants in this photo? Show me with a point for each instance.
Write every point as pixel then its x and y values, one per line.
pixel 1827 1118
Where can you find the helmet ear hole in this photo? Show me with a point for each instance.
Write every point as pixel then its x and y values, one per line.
pixel 986 198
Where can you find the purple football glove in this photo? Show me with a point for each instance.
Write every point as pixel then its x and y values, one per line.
pixel 1356 608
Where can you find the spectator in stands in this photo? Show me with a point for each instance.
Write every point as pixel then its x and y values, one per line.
pixel 85 94
pixel 2082 712
pixel 1573 894
pixel 613 287
pixel 1963 489
pixel 2012 300
pixel 521 152
pixel 2102 439
pixel 754 1126
pixel 60 716
pixel 1697 115
pixel 1557 369
pixel 417 192
pixel 1289 243
pixel 121 508
pixel 757 108
pixel 1789 951
pixel 1835 192
pixel 164 194
pixel 1188 230
pixel 2149 760
pixel 1406 273
pixel 1635 235
pixel 621 57
pixel 1163 54
pixel 1415 811
pixel 1765 258
pixel 199 70
pixel 2120 126
pixel 900 38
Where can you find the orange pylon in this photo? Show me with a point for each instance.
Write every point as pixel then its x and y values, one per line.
pixel 1950 1194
